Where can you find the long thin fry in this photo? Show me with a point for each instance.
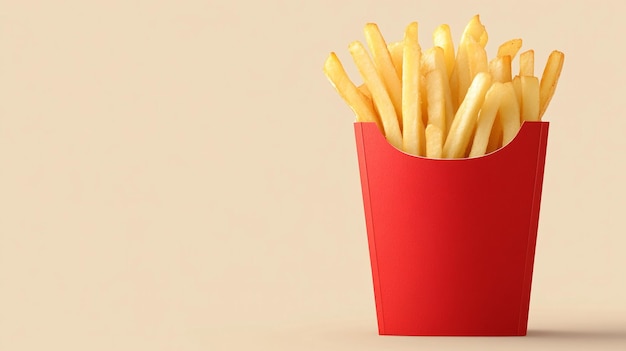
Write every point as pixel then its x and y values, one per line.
pixel 461 74
pixel 365 91
pixel 358 102
pixel 433 59
pixel 483 38
pixel 384 67
pixel 495 138
pixel 475 30
pixel 379 94
pixel 527 63
pixel 509 112
pixel 395 50
pixel 486 117
pixel 464 122
pixel 471 59
pixel 461 68
pixel 500 69
pixel 413 131
pixel 436 99
pixel 434 141
pixel 477 58
pixel 442 37
pixel 517 86
pixel 549 79
pixel 530 98
pixel 510 48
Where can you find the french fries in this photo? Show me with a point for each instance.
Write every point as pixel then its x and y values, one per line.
pixel 517 85
pixel 549 79
pixel 412 134
pixel 363 89
pixel 500 69
pixel 434 141
pixel 530 98
pixel 360 103
pixel 385 67
pixel 486 117
pixel 381 99
pixel 436 100
pixel 442 102
pixel 437 86
pixel 465 119
pixel 477 57
pixel 509 113
pixel 395 50
pixel 442 37
pixel 495 138
pixel 510 48
pixel 527 63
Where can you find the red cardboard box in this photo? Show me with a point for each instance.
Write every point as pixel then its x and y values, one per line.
pixel 452 242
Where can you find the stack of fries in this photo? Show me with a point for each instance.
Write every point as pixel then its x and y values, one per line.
pixel 441 104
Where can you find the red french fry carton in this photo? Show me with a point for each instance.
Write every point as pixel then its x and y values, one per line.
pixel 452 241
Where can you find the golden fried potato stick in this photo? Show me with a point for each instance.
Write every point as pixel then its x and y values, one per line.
pixel 527 63
pixel 433 59
pixel 395 50
pixel 500 69
pixel 483 38
pixel 510 48
pixel 382 101
pixel 550 79
pixel 359 103
pixel 476 30
pixel 365 91
pixel 464 122
pixel 435 98
pixel 477 58
pixel 461 74
pixel 517 85
pixel 530 98
pixel 486 117
pixel 509 113
pixel 495 138
pixel 461 68
pixel 452 104
pixel 442 37
pixel 471 59
pixel 413 127
pixel 368 95
pixel 423 93
pixel 434 141
pixel 384 67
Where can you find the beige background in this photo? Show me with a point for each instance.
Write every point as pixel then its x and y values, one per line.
pixel 179 175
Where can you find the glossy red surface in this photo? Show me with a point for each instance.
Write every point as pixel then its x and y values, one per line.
pixel 452 242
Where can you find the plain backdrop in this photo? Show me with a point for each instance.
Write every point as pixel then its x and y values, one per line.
pixel 180 175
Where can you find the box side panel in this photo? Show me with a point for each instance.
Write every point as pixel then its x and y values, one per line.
pixel 369 223
pixel 533 229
